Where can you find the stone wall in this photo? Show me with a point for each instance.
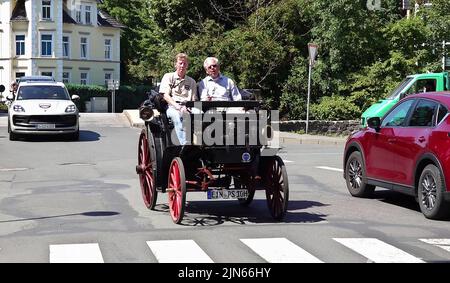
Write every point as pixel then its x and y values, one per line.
pixel 331 128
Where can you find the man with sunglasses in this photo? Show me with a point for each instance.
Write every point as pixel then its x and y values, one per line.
pixel 217 87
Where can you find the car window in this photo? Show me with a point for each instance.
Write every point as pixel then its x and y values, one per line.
pixel 424 85
pixel 398 115
pixel 42 92
pixel 400 87
pixel 442 112
pixel 423 114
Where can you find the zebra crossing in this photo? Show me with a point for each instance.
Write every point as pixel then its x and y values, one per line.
pixel 271 250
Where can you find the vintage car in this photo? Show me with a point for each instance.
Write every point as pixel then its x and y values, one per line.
pixel 232 165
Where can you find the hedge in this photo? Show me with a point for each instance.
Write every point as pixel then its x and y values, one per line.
pixel 127 97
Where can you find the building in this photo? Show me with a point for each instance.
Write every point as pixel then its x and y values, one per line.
pixel 72 40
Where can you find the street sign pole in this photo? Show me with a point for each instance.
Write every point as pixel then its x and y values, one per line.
pixel 309 94
pixel 312 49
pixel 113 102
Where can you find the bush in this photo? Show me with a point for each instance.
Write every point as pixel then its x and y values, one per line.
pixel 335 108
pixel 127 97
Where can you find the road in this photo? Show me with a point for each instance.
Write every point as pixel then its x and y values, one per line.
pixel 80 201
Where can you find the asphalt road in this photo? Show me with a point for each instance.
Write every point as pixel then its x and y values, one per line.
pixel 56 195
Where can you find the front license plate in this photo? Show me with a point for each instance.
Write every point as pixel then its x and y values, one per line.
pixel 227 194
pixel 45 126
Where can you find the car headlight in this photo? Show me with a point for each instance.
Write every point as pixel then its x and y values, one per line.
pixel 18 108
pixel 71 108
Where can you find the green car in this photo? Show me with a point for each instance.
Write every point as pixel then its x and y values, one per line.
pixel 417 83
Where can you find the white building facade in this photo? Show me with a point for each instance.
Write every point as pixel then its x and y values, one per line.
pixel 70 40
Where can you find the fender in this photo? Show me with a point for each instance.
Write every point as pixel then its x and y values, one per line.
pixel 356 145
pixel 435 160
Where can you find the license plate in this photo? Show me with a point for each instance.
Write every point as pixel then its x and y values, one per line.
pixel 227 194
pixel 45 126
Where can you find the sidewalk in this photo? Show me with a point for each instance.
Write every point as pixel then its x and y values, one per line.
pixel 285 137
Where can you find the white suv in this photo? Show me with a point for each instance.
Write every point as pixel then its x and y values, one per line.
pixel 43 108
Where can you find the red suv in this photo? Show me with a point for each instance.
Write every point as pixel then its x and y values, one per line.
pixel 407 151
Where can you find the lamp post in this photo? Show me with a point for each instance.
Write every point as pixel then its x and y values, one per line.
pixel 312 50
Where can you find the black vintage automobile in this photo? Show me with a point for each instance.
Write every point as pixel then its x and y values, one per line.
pixel 222 169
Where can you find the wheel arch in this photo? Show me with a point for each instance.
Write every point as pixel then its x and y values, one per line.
pixel 350 148
pixel 423 161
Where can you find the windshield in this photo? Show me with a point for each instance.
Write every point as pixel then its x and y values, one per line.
pixel 42 92
pixel 396 91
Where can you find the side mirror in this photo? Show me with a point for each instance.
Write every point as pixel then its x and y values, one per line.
pixel 10 97
pixel 75 97
pixel 374 123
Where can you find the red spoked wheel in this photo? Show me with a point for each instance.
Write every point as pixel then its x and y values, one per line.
pixel 176 189
pixel 145 170
pixel 277 187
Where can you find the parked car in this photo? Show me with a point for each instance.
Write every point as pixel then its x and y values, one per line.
pixel 35 79
pixel 408 150
pixel 43 108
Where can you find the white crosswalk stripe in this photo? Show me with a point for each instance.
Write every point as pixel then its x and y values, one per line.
pixel 272 250
pixel 441 243
pixel 75 253
pixel 178 251
pixel 280 250
pixel 378 251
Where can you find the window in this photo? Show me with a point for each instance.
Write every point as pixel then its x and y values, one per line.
pixel 19 75
pixel 20 45
pixel 108 77
pixel 84 78
pixel 46 44
pixel 397 116
pixel 66 46
pixel 423 114
pixel 84 48
pixel 66 77
pixel 442 113
pixel 108 49
pixel 48 74
pixel 87 14
pixel 46 9
pixel 424 85
pixel 78 14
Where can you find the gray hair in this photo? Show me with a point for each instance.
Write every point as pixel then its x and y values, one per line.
pixel 214 59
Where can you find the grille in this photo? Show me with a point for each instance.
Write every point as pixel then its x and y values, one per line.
pixel 60 121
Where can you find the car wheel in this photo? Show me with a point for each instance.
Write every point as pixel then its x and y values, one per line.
pixel 355 176
pixel 12 136
pixel 75 136
pixel 430 193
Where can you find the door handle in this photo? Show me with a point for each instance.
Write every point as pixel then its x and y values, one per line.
pixel 392 140
pixel 422 139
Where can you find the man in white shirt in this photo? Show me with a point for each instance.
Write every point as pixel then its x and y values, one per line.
pixel 178 87
pixel 217 87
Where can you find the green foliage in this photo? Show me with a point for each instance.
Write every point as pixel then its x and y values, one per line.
pixel 262 44
pixel 334 108
pixel 127 97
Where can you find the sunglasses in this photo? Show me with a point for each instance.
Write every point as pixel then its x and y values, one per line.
pixel 212 66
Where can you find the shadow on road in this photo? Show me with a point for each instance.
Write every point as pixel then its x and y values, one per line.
pixel 88 213
pixel 214 213
pixel 85 136
pixel 396 198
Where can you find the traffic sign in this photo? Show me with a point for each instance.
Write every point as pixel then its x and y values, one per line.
pixel 113 85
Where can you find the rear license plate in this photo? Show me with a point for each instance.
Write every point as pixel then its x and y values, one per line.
pixel 45 126
pixel 227 194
